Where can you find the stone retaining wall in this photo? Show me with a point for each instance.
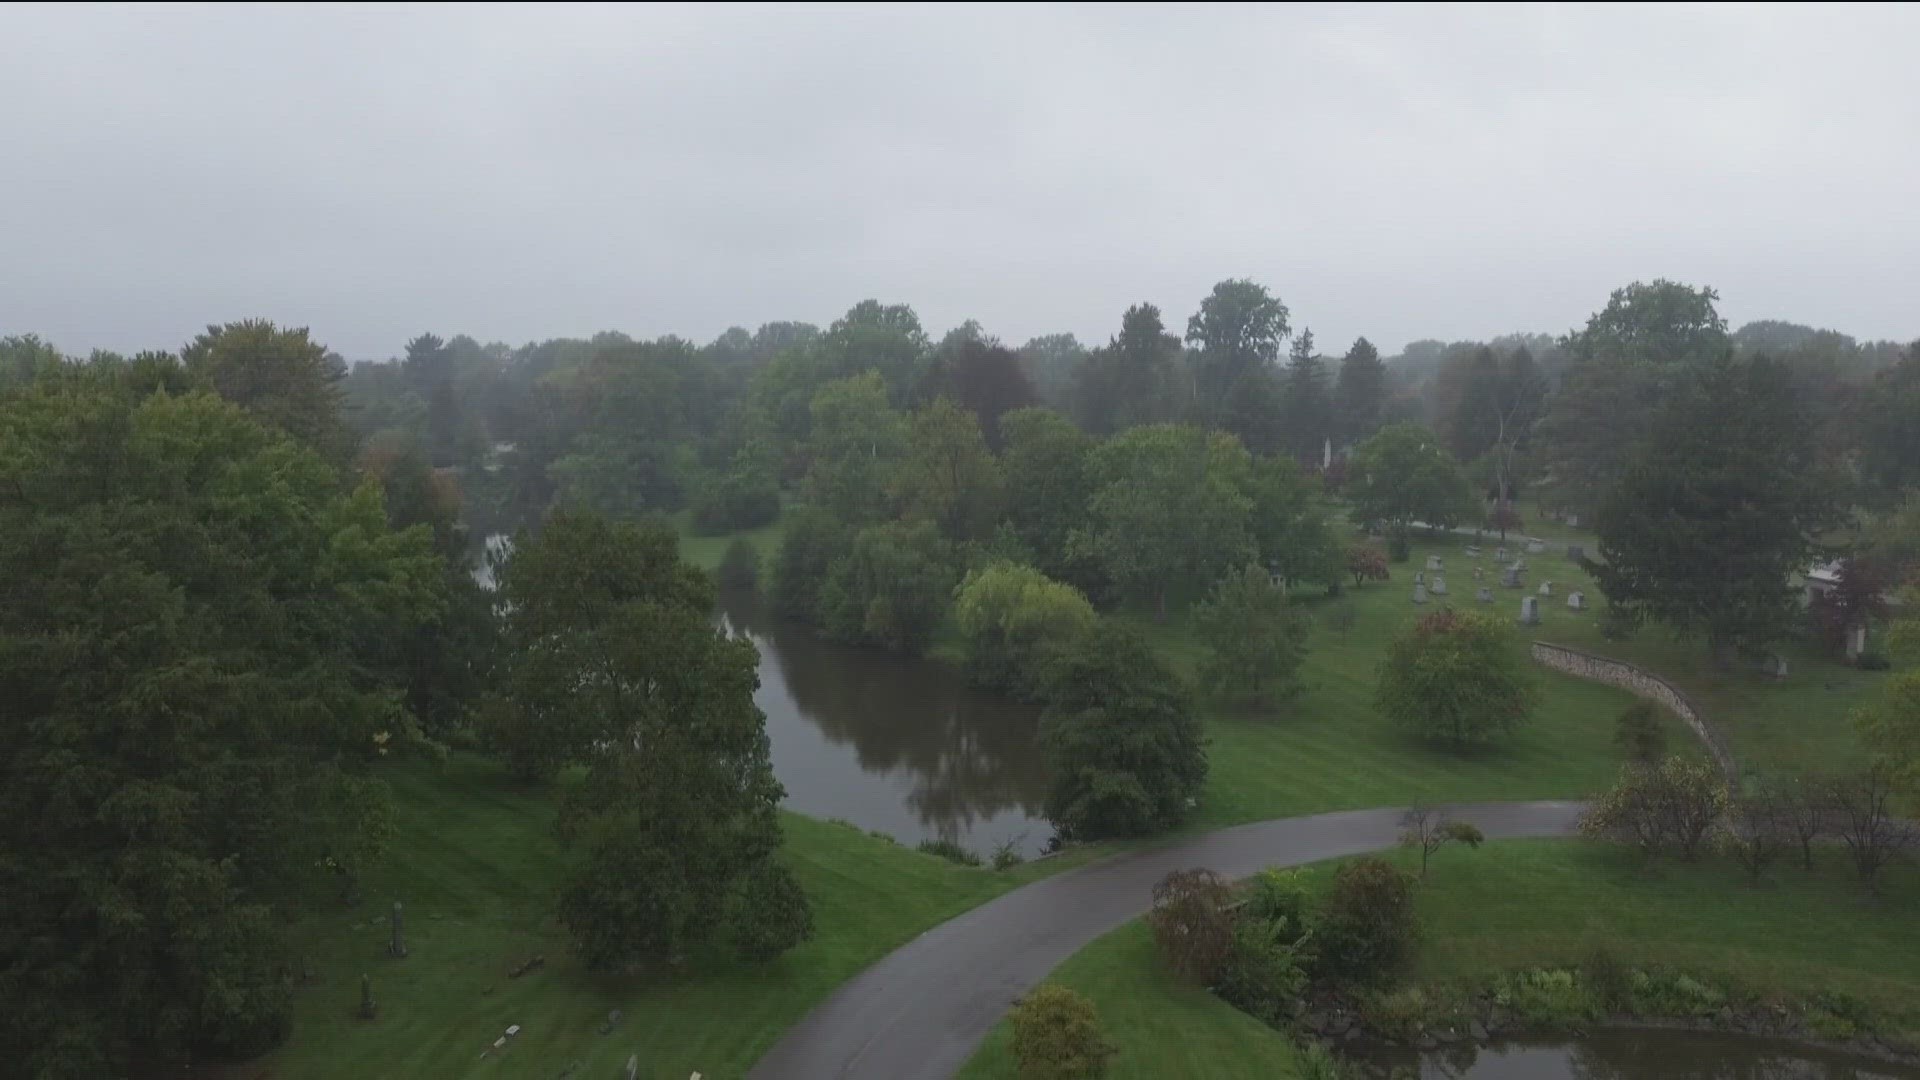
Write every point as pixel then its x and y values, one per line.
pixel 1642 684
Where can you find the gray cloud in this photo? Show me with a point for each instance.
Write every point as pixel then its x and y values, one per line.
pixel 521 172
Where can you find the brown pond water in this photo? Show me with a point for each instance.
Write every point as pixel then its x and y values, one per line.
pixel 1634 1055
pixel 902 746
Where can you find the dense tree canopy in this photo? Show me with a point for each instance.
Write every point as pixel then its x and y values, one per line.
pixel 190 710
pixel 1455 677
pixel 1360 393
pixel 1402 475
pixel 1717 510
pixel 1126 749
pixel 1133 380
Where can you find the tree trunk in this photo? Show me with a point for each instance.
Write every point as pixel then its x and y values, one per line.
pixel 1160 605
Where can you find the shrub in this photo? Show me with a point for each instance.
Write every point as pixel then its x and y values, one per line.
pixel 1057 1036
pixel 736 503
pixel 1872 660
pixel 950 851
pixel 1262 975
pixel 1193 924
pixel 1674 995
pixel 1668 807
pixel 739 567
pixel 880 834
pixel 1280 898
pixel 891 589
pixel 1397 1013
pixel 1610 980
pixel 1455 677
pixel 1006 853
pixel 1367 563
pixel 1756 831
pixel 1639 735
pixel 1367 930
pixel 1548 999
pixel 1315 1062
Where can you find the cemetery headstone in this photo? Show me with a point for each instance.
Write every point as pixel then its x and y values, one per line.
pixel 1529 611
pixel 1575 553
pixel 1419 593
pixel 1577 600
pixel 1500 553
pixel 1535 547
pixel 1478 573
pixel 1546 588
pixel 1433 562
pixel 1779 667
pixel 368 1010
pixel 1510 578
pixel 397 947
pixel 633 1066
pixel 1439 586
pixel 1419 577
pixel 1856 641
pixel 1473 551
pixel 1485 594
pixel 1573 521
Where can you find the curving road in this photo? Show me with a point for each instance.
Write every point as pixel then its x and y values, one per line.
pixel 919 1013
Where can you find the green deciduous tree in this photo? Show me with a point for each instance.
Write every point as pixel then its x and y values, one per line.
pixel 812 541
pixel 1455 677
pixel 1717 510
pixel 189 712
pixel 1012 619
pixel 1255 639
pixel 283 377
pixel 1126 750
pixel 1670 806
pixel 1287 519
pixel 1889 725
pixel 1623 364
pixel 856 443
pixel 1131 381
pixel 1045 465
pixel 947 476
pixel 1168 511
pixel 1235 334
pixel 616 665
pixel 1402 474
pixel 1890 430
pixel 891 588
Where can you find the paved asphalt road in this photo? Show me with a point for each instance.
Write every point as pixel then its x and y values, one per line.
pixel 921 1011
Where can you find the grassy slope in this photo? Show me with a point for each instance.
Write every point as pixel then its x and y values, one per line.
pixel 1535 903
pixel 1799 721
pixel 475 863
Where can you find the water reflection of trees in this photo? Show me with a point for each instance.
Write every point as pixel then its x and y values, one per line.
pixel 971 754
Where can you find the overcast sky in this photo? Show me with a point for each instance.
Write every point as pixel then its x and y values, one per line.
pixel 525 173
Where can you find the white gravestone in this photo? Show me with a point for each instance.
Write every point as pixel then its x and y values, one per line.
pixel 1577 600
pixel 1439 586
pixel 1546 588
pixel 1485 594
pixel 1419 594
pixel 1529 611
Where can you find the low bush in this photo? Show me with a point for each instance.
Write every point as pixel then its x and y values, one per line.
pixel 1551 999
pixel 1006 853
pixel 950 851
pixel 1671 994
pixel 1193 924
pixel 1262 976
pixel 1367 930
pixel 1057 1036
pixel 1872 660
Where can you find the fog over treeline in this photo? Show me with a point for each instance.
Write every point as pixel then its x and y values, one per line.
pixel 527 173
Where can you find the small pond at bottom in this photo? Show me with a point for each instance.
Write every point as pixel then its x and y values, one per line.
pixel 1632 1054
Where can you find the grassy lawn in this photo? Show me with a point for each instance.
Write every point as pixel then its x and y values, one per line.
pixel 1801 720
pixel 1528 903
pixel 1329 749
pixel 476 866
pixel 1161 1027
pixel 705 551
